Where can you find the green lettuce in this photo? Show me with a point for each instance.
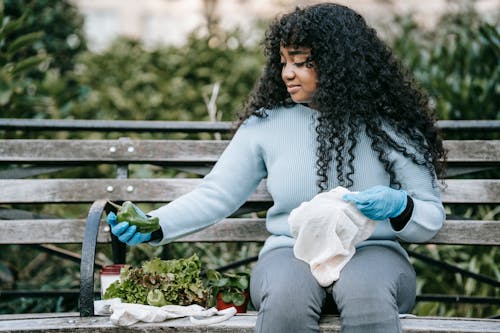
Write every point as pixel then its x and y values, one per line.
pixel 161 282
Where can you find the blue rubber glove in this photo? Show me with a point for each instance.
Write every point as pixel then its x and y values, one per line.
pixel 379 202
pixel 126 233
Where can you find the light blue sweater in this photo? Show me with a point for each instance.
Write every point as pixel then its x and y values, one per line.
pixel 282 148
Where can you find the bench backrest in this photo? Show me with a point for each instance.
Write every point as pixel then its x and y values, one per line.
pixel 195 156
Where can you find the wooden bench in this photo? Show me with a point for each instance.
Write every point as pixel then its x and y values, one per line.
pixel 31 157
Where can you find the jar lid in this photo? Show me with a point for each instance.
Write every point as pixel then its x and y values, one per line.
pixel 112 269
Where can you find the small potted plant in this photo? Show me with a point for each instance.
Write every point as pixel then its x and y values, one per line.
pixel 230 289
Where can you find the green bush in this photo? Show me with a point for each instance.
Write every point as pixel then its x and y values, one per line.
pixel 456 62
pixel 170 83
pixel 19 89
pixel 49 87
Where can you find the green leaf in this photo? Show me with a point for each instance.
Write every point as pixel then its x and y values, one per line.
pixel 23 41
pixel 227 296
pixel 5 97
pixel 28 64
pixel 242 283
pixel 213 275
pixel 238 299
pixel 156 298
pixel 11 26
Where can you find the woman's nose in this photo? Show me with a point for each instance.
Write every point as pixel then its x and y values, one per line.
pixel 287 72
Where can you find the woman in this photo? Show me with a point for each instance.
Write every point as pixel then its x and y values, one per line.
pixel 333 107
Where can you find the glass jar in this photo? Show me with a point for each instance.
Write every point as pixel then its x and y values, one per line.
pixel 109 274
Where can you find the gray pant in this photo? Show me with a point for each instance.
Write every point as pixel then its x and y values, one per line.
pixel 375 286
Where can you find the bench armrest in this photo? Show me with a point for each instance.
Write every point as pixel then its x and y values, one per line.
pixel 87 266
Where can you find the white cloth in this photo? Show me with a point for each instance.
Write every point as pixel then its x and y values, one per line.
pixel 326 230
pixel 126 314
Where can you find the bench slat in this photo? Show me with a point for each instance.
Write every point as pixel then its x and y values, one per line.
pixel 47 231
pixel 244 323
pixel 463 232
pixel 167 189
pixel 472 151
pixel 112 151
pixel 484 152
pixel 471 191
pixel 190 126
pixel 133 125
pixel 468 232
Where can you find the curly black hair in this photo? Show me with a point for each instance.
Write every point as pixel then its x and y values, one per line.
pixel 360 82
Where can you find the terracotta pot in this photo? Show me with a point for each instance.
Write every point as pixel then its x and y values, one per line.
pixel 221 305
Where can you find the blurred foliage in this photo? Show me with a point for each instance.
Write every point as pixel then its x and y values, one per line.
pixel 51 30
pixel 456 62
pixel 19 90
pixel 24 268
pixel 168 83
pixel 61 23
pixel 436 280
pixel 46 72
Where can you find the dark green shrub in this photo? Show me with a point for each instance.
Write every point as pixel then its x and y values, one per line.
pixel 457 62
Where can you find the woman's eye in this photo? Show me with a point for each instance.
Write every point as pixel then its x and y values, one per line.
pixel 308 63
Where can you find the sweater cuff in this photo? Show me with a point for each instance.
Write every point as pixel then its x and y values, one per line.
pixel 156 235
pixel 400 221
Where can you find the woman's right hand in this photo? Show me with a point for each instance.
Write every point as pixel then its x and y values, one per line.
pixel 125 232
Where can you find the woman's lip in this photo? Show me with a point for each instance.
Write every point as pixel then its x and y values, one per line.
pixel 292 89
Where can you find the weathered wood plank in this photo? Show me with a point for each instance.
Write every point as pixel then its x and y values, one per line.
pixel 473 152
pixel 111 151
pixel 89 190
pixel 238 324
pixel 167 189
pixel 484 152
pixel 468 232
pixel 471 191
pixel 464 232
pixel 47 231
pixel 115 125
pixel 449 325
pixel 189 126
pixel 469 125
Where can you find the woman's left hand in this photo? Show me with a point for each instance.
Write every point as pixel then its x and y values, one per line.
pixel 379 202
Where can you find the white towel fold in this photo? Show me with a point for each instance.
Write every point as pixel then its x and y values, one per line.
pixel 326 230
pixel 126 314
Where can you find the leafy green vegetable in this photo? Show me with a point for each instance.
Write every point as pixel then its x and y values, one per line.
pixel 160 282
pixel 156 298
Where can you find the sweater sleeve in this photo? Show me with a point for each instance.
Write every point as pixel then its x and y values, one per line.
pixel 428 214
pixel 231 181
